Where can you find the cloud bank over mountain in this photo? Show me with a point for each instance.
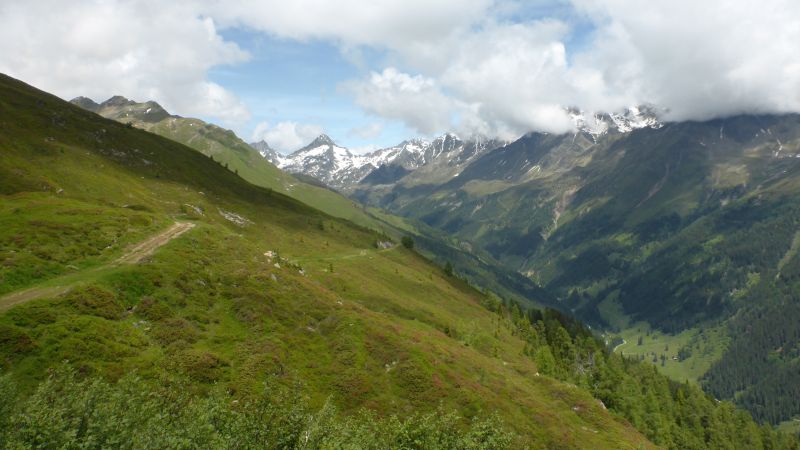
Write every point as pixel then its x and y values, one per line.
pixel 693 60
pixel 499 68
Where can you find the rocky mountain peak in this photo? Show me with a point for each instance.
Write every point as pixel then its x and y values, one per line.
pixel 117 100
pixel 121 108
pixel 322 139
pixel 267 152
pixel 85 103
pixel 597 124
pixel 262 144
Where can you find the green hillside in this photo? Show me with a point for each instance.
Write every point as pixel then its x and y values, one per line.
pixel 140 279
pixel 226 148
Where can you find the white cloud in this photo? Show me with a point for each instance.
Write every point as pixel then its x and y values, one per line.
pixel 699 59
pixel 378 23
pixel 286 136
pixel 416 100
pixel 470 65
pixel 140 49
pixel 513 76
pixel 368 131
pixel 502 80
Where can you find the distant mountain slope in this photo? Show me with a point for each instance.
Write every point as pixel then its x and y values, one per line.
pixel 385 174
pixel 680 225
pixel 225 147
pixel 456 168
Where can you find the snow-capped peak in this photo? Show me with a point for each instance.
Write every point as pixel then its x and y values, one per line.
pixel 598 123
pixel 322 139
pixel 636 117
pixel 321 159
pixel 338 167
pixel 267 152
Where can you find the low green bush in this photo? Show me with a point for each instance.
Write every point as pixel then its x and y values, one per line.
pixel 66 411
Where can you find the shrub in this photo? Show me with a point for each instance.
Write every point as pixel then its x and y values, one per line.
pixel 68 412
pixel 152 309
pixel 14 341
pixel 95 301
pixel 200 365
pixel 175 329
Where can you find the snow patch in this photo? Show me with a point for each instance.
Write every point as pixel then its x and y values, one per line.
pixel 599 124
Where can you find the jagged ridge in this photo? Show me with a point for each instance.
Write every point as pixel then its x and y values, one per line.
pixel 338 167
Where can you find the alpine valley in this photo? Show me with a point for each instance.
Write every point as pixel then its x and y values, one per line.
pixel 165 285
pixel 678 241
pixel 400 224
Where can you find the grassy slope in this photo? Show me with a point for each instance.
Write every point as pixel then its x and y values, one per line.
pixel 224 146
pixel 211 307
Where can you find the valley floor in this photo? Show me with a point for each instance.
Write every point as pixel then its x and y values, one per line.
pixel 685 356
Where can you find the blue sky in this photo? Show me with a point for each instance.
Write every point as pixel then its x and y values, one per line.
pixel 299 81
pixel 371 74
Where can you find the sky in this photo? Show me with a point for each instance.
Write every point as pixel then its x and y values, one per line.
pixel 372 74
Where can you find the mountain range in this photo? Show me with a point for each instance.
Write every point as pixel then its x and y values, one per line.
pixel 673 230
pixel 434 161
pixel 339 168
pixel 157 266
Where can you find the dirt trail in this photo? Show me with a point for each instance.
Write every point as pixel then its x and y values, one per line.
pixel 148 246
pixel 133 256
pixel 23 296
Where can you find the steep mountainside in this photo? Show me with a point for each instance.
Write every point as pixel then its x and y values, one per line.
pixel 679 226
pixel 124 252
pixel 226 148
